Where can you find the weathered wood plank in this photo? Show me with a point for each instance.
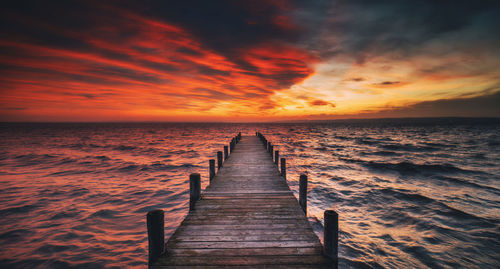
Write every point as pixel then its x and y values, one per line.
pixel 245 251
pixel 244 260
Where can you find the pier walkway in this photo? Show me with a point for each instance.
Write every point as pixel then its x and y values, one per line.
pixel 246 218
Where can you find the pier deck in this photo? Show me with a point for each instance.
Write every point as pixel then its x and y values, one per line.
pixel 247 217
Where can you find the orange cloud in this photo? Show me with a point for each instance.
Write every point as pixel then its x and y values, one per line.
pixel 155 70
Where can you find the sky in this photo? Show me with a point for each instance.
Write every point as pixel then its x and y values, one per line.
pixel 241 61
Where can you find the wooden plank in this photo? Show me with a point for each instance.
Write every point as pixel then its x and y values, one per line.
pixel 214 232
pixel 264 266
pixel 243 237
pixel 247 218
pixel 244 251
pixel 245 260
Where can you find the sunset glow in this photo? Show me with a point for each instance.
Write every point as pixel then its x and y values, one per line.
pixel 258 61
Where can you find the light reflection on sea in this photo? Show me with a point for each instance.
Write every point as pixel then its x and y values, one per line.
pixel 423 193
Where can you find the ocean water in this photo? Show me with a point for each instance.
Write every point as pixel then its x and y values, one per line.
pixel 410 193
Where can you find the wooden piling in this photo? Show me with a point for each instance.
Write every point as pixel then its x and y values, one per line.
pixel 283 168
pixel 271 150
pixel 156 234
pixel 211 169
pixel 219 159
pixel 303 192
pixel 276 157
pixel 331 235
pixel 194 189
pixel 226 153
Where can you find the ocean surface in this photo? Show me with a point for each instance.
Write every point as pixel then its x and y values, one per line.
pixel 419 193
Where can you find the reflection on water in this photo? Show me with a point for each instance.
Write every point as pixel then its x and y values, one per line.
pixel 410 194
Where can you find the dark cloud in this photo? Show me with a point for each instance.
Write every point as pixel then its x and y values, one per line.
pixel 185 50
pixel 211 94
pixel 388 83
pixel 481 106
pixel 321 103
pixel 206 70
pixel 365 29
pixel 224 26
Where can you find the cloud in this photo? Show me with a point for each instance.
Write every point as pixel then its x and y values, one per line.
pixel 321 103
pixel 389 84
pixel 357 79
pixel 163 56
pixel 479 106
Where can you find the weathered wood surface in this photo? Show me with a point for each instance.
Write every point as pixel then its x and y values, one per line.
pixel 246 218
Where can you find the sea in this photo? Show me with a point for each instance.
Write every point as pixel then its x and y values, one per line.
pixel 410 193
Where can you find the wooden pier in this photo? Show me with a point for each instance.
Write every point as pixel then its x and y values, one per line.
pixel 246 218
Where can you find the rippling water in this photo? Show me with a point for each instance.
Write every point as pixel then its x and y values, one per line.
pixel 410 193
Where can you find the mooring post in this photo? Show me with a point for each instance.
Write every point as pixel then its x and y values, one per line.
pixel 211 169
pixel 194 189
pixel 283 168
pixel 276 157
pixel 156 234
pixel 303 192
pixel 331 236
pixel 226 153
pixel 219 159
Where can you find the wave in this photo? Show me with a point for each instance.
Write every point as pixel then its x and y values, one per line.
pixel 406 167
pixel 467 183
pixel 453 217
pixel 25 209
pixel 125 148
pixel 409 147
pixel 105 214
pixel 156 167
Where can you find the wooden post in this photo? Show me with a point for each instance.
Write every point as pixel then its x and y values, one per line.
pixel 156 234
pixel 226 153
pixel 283 168
pixel 331 235
pixel 276 157
pixel 194 189
pixel 211 169
pixel 303 192
pixel 219 159
pixel 271 150
pixel 268 146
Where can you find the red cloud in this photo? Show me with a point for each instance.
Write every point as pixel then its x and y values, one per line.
pixel 154 66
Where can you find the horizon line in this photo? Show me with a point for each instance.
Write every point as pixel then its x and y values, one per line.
pixel 259 122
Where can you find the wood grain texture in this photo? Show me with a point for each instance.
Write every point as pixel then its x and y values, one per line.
pixel 246 218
